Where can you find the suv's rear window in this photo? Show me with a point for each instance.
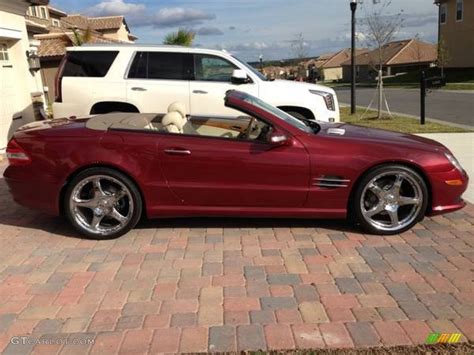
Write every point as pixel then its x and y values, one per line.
pixel 161 65
pixel 89 63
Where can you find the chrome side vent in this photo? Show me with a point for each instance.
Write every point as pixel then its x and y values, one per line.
pixel 331 182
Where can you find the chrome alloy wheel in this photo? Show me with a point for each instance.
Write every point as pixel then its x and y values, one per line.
pixel 101 204
pixel 391 201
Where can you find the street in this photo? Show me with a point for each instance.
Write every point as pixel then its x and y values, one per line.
pixel 454 107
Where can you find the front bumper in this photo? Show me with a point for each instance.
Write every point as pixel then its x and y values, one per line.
pixel 445 197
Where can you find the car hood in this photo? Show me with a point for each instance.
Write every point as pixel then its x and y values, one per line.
pixel 347 131
pixel 298 85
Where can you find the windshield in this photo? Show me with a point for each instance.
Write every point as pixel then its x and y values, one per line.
pixel 306 125
pixel 252 69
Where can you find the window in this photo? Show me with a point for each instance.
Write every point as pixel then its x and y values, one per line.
pixel 161 65
pixel 443 13
pixel 32 11
pixel 43 12
pixel 240 128
pixel 89 63
pixel 56 23
pixel 4 53
pixel 459 10
pixel 212 68
pixel 311 126
pixel 252 69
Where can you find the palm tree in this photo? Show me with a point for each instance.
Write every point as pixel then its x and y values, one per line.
pixel 81 37
pixel 182 37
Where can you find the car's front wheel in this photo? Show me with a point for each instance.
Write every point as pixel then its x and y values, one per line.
pixel 390 199
pixel 102 203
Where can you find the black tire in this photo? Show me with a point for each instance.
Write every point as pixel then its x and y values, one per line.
pixel 415 183
pixel 298 115
pixel 134 194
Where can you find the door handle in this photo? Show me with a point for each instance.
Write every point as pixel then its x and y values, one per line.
pixel 199 92
pixel 138 89
pixel 177 151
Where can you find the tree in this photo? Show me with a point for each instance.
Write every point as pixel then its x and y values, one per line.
pixel 380 29
pixel 183 37
pixel 443 55
pixel 80 37
pixel 299 46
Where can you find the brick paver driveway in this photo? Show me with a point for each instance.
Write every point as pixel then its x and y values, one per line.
pixel 219 285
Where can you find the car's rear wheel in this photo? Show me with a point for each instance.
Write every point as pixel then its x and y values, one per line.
pixel 102 203
pixel 390 199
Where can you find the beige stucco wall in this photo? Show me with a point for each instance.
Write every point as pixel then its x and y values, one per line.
pixel 459 36
pixel 26 83
pixel 332 74
pixel 119 35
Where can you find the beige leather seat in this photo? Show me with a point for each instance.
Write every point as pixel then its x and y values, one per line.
pixel 175 119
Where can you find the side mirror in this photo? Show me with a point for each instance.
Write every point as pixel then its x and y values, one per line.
pixel 239 76
pixel 278 139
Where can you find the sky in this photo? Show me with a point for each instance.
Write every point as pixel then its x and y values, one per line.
pixel 250 28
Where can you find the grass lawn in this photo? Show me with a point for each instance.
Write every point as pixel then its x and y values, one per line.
pixel 397 123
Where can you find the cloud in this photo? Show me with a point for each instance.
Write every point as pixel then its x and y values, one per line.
pixel 176 16
pixel 411 21
pixel 209 31
pixel 116 7
pixel 231 28
pixel 139 16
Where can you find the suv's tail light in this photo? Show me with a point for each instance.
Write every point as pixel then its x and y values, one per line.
pixel 58 80
pixel 16 154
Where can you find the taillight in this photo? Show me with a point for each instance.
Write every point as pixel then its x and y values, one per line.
pixel 58 80
pixel 16 154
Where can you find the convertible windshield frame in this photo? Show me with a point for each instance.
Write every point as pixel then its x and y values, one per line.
pixel 308 127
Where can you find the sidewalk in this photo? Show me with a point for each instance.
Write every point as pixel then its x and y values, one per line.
pixel 462 146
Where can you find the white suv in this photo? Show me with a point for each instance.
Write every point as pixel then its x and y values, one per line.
pixel 102 78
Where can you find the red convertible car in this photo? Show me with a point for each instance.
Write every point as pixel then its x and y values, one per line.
pixel 104 172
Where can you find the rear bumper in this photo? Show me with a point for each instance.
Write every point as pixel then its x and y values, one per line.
pixel 30 191
pixel 447 198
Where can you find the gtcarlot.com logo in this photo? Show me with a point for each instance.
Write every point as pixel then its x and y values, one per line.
pixel 26 340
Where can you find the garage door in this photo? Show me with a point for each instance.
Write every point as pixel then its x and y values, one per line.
pixel 7 93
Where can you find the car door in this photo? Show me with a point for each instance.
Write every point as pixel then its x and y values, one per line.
pixel 212 79
pixel 204 170
pixel 157 79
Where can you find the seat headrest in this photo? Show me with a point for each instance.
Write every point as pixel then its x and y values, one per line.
pixel 173 121
pixel 178 107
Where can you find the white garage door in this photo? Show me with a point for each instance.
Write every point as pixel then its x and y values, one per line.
pixel 7 94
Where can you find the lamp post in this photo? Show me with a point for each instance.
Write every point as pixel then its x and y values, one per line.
pixel 438 3
pixel 261 62
pixel 353 64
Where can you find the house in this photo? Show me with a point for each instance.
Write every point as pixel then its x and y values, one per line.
pixel 21 87
pixel 330 65
pixel 55 30
pixel 114 28
pixel 397 57
pixel 456 27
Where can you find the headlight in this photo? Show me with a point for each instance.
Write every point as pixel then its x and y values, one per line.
pixel 328 98
pixel 454 161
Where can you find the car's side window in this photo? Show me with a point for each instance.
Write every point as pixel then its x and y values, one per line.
pixel 212 68
pixel 161 65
